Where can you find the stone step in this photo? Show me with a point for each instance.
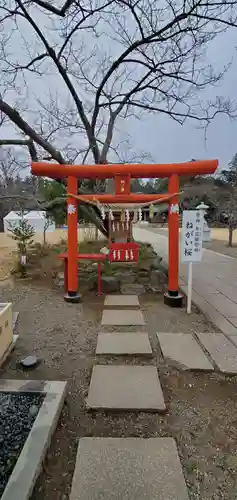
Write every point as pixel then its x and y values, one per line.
pixel 120 343
pixel 135 288
pixel 125 387
pixel 184 351
pixel 128 469
pixel 122 317
pixel 121 300
pixel 221 350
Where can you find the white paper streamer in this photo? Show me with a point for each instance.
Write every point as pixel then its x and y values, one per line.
pixel 111 215
pixel 135 216
pixel 103 213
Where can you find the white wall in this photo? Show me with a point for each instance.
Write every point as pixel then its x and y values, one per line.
pixel 36 221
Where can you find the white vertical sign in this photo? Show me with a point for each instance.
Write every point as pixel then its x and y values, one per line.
pixel 192 231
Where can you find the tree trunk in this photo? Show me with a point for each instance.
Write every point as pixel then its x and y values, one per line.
pixel 230 241
pixel 1 218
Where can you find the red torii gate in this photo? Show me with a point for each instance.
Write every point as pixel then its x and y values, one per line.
pixel 123 173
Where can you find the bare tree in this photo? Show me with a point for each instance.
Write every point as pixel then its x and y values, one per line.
pixel 80 72
pixel 229 204
pixel 12 163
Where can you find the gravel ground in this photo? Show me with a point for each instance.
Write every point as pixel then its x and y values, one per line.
pixel 202 408
pixel 17 415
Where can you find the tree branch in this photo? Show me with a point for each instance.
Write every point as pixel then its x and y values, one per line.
pixel 21 142
pixel 29 131
pixel 129 50
pixel 71 88
pixel 49 7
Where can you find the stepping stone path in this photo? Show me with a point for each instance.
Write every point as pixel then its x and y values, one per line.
pixel 122 317
pixel 125 387
pixel 128 469
pixel 121 300
pixel 137 468
pixel 184 351
pixel 233 339
pixel 123 343
pixel 222 351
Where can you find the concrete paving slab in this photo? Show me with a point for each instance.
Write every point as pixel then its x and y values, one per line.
pixel 121 300
pixel 216 271
pixel 224 305
pixel 128 469
pixel 211 313
pixel 233 320
pixel 125 387
pixel 29 463
pixel 233 339
pixel 222 351
pixel 184 351
pixel 122 317
pixel 120 343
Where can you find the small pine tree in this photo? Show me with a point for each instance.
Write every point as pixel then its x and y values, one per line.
pixel 22 233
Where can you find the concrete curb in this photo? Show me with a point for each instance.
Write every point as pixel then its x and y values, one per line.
pixel 28 466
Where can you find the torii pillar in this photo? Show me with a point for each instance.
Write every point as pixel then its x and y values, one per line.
pixel 173 297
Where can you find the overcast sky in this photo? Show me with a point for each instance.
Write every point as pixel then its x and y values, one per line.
pixel 168 141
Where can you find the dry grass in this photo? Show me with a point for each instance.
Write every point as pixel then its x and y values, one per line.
pixel 222 234
pixel 58 238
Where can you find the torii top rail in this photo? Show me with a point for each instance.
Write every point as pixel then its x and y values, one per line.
pixel 123 173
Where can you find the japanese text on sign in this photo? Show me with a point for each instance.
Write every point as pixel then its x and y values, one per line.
pixel 192 231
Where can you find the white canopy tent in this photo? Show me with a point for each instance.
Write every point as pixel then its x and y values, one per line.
pixel 37 219
pixel 12 218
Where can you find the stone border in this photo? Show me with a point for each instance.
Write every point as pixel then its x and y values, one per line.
pixel 28 465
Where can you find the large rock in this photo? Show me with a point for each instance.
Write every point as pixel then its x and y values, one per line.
pixel 88 283
pixel 135 288
pixel 158 280
pixel 156 262
pixel 110 284
pixel 125 276
pixel 145 265
pixel 59 279
pixel 143 280
pixel 164 267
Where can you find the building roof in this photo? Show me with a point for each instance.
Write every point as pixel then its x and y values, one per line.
pixel 32 214
pixel 13 215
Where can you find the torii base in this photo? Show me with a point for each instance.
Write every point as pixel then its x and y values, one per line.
pixel 173 300
pixel 73 299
